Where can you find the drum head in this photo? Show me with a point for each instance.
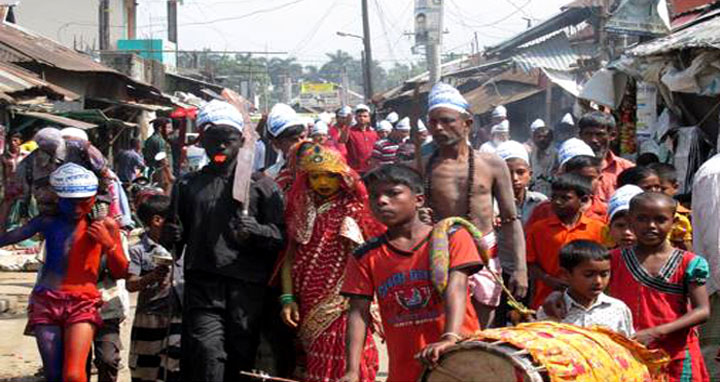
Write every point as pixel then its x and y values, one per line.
pixel 482 362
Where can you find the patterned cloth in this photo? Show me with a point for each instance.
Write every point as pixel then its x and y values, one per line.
pixel 155 347
pixel 385 151
pixel 324 233
pixel 658 299
pixel 571 353
pixel 605 311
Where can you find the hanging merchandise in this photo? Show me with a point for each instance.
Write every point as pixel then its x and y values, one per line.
pixel 626 121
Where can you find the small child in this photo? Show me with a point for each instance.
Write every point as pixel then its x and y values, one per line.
pixel 618 233
pixel 587 166
pixel 417 320
pixel 567 223
pixel 643 177
pixel 517 159
pixel 64 304
pixel 585 267
pixel 158 316
pixel 681 234
pixel 663 286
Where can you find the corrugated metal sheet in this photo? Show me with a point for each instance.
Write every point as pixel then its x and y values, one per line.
pixel 555 53
pixel 568 17
pixel 702 35
pixel 64 121
pixel 14 79
pixel 21 45
pixel 485 98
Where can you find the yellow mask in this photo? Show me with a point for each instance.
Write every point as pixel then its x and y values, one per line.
pixel 324 183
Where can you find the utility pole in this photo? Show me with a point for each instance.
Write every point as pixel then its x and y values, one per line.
pixel 433 50
pixel 368 51
pixel 345 87
pixel 104 24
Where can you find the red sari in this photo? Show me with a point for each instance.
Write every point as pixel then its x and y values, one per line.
pixel 656 300
pixel 325 232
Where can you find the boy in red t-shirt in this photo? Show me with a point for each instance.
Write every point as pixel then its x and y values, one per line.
pixel 417 320
pixel 567 223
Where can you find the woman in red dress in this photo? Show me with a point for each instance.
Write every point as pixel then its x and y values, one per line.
pixel 328 217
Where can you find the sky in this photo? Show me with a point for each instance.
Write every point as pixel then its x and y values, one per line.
pixel 307 29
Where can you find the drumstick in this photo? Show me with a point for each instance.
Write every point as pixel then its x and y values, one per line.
pixel 265 377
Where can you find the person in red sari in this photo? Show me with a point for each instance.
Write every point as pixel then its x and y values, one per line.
pixel 328 217
pixel 664 287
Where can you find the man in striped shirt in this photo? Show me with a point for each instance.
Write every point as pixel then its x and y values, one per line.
pixel 385 150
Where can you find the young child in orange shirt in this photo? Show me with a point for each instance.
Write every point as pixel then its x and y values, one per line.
pixel 567 223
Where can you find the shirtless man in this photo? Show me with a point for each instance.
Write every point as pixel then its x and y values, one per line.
pixel 448 171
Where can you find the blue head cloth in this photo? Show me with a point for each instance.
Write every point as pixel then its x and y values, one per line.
pixel 444 95
pixel 620 200
pixel 220 113
pixel 280 118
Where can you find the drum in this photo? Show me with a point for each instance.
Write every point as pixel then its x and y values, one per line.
pixel 546 351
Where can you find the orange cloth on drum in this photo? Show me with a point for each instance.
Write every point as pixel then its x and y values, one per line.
pixel 572 353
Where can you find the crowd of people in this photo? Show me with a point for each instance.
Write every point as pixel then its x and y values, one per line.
pixel 338 242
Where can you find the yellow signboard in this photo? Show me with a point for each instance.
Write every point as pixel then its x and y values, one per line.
pixel 317 87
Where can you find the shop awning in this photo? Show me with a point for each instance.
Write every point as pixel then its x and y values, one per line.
pixel 64 121
pixel 705 34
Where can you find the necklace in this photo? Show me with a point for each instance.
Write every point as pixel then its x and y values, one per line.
pixel 470 181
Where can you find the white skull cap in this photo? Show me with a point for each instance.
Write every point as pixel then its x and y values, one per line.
pixel 74 181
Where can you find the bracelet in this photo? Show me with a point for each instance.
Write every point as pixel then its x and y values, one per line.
pixel 286 298
pixel 509 220
pixel 456 336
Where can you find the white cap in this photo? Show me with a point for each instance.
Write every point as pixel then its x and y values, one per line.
pixel 572 148
pixel 499 112
pixel 446 96
pixel 384 126
pixel 344 111
pixel 421 126
pixel 307 121
pixel 220 113
pixel 403 125
pixel 512 149
pixel 326 117
pixel 620 200
pixel 74 181
pixel 74 132
pixel 320 127
pixel 502 127
pixel 280 118
pixel 568 118
pixel 362 107
pixel 392 117
pixel 538 123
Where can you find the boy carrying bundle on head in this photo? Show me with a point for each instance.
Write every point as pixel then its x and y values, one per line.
pixel 417 320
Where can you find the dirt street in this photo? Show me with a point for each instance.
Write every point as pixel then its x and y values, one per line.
pixel 19 359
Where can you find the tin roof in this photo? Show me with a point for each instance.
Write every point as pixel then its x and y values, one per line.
pixel 16 82
pixel 701 35
pixel 20 45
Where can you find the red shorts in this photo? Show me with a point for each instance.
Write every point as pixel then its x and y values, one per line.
pixel 51 307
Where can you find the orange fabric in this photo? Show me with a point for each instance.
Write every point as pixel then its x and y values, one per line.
pixel 613 165
pixel 413 313
pixel 544 240
pixel 597 210
pixel 571 353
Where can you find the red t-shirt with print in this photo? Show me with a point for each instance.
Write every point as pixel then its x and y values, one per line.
pixel 413 312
